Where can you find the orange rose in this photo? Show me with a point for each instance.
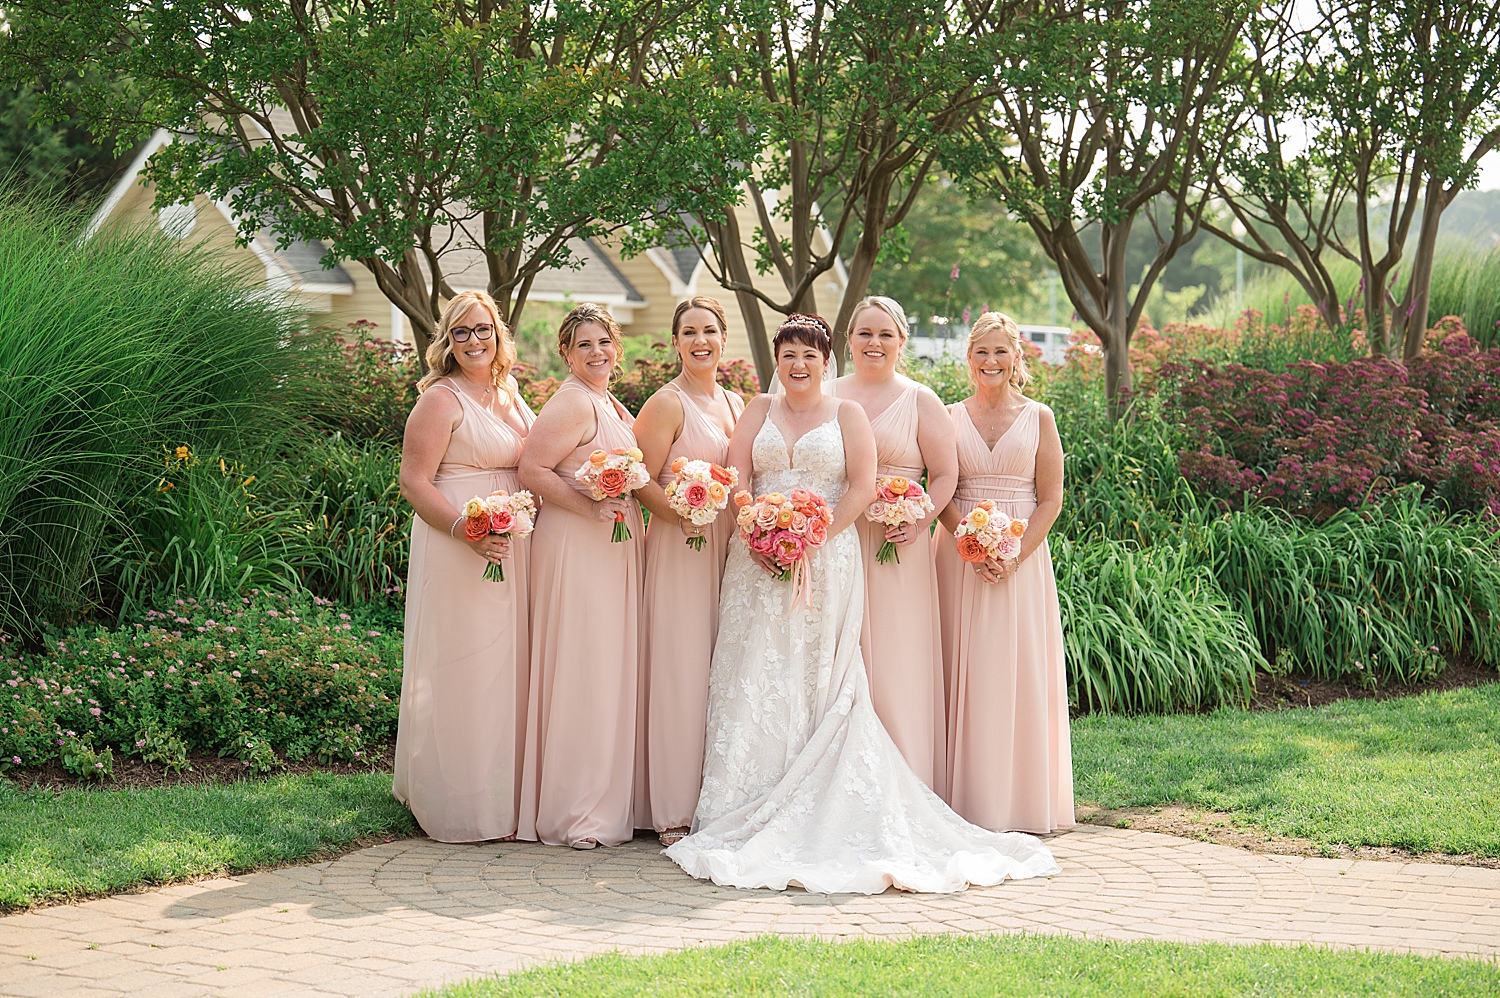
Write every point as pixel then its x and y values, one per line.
pixel 784 516
pixel 970 550
pixel 986 504
pixel 775 498
pixel 743 498
pixel 678 465
pixel 476 527
pixel 1017 527
pixel 720 475
pixel 898 485
pixel 598 457
pixel 612 482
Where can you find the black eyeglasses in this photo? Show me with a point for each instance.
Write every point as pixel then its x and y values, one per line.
pixel 482 331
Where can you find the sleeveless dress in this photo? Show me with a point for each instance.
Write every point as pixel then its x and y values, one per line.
pixel 680 620
pixel 461 732
pixel 901 640
pixel 585 638
pixel 801 783
pixel 1010 763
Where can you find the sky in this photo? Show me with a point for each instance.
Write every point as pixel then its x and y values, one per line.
pixel 1489 172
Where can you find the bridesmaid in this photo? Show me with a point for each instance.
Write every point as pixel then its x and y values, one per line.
pixel 585 601
pixel 1010 764
pixel 902 634
pixel 463 693
pixel 690 417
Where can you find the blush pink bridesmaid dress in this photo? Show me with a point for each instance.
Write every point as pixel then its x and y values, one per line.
pixel 681 620
pixel 901 637
pixel 1010 765
pixel 462 729
pixel 585 653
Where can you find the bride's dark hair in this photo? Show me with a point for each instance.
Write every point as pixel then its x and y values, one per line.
pixel 809 330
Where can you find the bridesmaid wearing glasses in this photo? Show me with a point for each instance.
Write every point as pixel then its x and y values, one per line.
pixel 901 637
pixel 464 688
pixel 691 417
pixel 1010 760
pixel 586 599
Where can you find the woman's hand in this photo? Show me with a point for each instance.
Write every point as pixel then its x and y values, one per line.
pixel 766 563
pixel 993 571
pixel 689 528
pixel 491 547
pixel 903 535
pixel 604 510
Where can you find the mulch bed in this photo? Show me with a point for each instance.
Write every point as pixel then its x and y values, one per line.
pixel 1298 691
pixel 133 773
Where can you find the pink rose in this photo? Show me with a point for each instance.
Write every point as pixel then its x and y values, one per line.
pixel 523 524
pixel 883 490
pixel 876 511
pixel 913 490
pixel 765 517
pixel 1009 547
pixel 799 523
pixel 697 495
pixel 501 520
pixel 817 533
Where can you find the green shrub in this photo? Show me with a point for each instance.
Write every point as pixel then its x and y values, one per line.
pixel 365 385
pixel 1369 594
pixel 1149 630
pixel 293 672
pixel 112 347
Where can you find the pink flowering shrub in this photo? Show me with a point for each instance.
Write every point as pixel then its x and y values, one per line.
pixel 222 676
pixel 1320 437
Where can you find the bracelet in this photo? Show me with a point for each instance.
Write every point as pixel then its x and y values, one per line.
pixel 460 519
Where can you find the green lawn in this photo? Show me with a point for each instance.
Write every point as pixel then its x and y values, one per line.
pixel 991 967
pixel 55 846
pixel 1420 773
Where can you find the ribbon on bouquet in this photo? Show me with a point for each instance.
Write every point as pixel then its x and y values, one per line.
pixel 801 585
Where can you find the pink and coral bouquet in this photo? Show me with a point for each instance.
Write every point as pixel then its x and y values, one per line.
pixel 898 501
pixel 509 514
pixel 610 475
pixel 785 528
pixel 700 493
pixel 989 533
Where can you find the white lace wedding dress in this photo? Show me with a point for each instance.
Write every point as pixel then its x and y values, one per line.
pixel 801 783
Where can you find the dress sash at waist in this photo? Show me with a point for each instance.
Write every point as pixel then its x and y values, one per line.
pixel 892 470
pixel 464 472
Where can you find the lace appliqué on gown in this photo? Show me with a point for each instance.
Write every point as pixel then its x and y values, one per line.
pixel 801 783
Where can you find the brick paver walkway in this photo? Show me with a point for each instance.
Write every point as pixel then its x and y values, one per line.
pixel 394 918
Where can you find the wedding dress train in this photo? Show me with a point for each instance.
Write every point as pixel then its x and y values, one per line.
pixel 801 783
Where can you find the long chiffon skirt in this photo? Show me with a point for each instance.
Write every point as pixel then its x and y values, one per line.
pixel 1010 761
pixel 902 645
pixel 464 685
pixel 681 619
pixel 581 727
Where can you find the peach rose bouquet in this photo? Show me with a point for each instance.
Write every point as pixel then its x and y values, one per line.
pixel 785 528
pixel 898 501
pixel 699 493
pixel 989 533
pixel 610 475
pixel 509 514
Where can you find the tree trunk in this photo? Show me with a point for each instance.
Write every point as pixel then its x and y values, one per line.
pixel 861 266
pixel 1419 286
pixel 726 236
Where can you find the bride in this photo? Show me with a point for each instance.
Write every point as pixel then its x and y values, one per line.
pixel 801 783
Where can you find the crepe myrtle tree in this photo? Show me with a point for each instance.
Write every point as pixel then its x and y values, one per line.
pixel 424 140
pixel 849 98
pixel 1107 114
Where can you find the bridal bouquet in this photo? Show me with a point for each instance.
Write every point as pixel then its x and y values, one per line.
pixel 785 529
pixel 988 533
pixel 509 514
pixel 898 501
pixel 700 493
pixel 611 475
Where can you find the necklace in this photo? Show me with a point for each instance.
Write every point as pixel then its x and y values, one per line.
pixel 483 399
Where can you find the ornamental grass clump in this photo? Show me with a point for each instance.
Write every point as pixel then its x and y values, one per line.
pixel 236 676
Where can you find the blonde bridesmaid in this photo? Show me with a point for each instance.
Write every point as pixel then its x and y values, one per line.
pixel 691 417
pixel 464 689
pixel 901 639
pixel 585 600
pixel 1010 762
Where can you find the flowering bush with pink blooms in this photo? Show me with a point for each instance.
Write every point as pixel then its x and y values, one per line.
pixel 228 676
pixel 1316 438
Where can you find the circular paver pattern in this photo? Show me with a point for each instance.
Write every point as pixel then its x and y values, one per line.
pixel 410 914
